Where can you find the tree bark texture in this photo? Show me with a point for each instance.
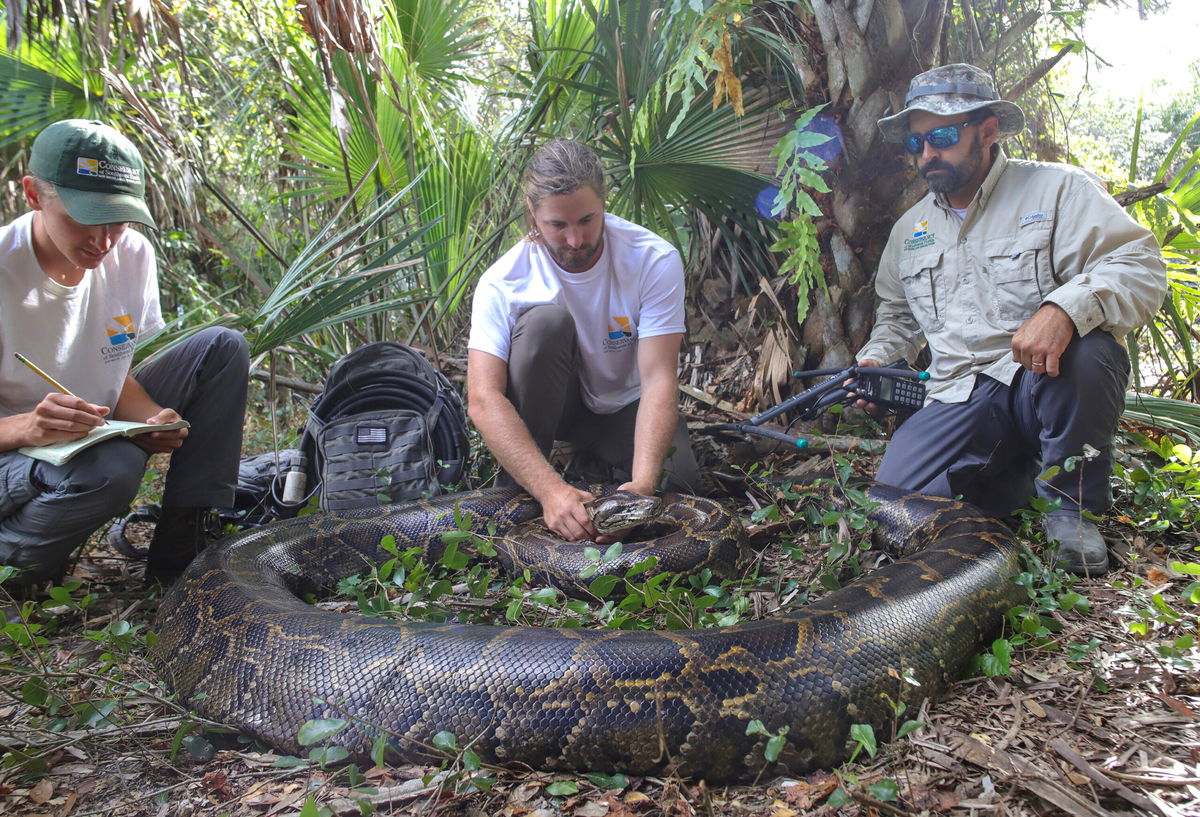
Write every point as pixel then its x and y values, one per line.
pixel 864 53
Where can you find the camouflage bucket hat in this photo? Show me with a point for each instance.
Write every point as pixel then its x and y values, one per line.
pixel 949 90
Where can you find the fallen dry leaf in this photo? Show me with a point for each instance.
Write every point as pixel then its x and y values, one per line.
pixel 42 791
pixel 217 782
pixel 804 794
pixel 1176 705
pixel 1157 577
pixel 261 799
pixel 779 809
pixel 1077 779
pixel 925 798
pixel 617 807
pixel 524 793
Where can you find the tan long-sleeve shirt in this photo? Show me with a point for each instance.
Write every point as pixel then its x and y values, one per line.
pixel 1035 233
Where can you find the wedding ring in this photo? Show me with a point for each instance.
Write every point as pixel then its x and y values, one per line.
pixel 1038 363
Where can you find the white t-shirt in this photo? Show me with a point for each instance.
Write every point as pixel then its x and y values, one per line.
pixel 635 290
pixel 82 336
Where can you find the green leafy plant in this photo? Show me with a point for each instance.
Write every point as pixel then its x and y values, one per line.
pixel 845 527
pixel 317 733
pixel 775 740
pixel 462 767
pixel 1163 493
pixel 640 598
pixel 1049 590
pixel 799 170
pixel 1172 623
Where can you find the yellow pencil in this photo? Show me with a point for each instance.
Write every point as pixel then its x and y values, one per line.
pixel 61 388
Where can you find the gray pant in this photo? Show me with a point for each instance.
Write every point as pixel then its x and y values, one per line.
pixel 543 385
pixel 991 448
pixel 46 511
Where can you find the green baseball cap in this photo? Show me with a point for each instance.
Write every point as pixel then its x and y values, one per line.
pixel 97 173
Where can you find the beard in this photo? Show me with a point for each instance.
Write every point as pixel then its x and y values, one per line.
pixel 945 177
pixel 575 260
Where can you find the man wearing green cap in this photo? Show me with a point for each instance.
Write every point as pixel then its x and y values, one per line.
pixel 78 290
pixel 1023 279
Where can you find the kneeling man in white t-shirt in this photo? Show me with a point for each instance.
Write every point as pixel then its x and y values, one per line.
pixel 575 336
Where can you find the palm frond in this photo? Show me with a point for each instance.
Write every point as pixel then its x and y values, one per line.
pixel 1164 414
pixel 41 86
pixel 439 38
pixel 330 279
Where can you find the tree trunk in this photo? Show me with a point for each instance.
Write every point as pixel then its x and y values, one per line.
pixel 864 53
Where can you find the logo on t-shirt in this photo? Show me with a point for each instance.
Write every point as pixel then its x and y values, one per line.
pixel 621 329
pixel 620 334
pixel 120 339
pixel 124 332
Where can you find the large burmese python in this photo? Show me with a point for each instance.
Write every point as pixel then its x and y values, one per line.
pixel 239 646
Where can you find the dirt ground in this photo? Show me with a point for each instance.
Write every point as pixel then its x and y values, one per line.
pixel 1101 721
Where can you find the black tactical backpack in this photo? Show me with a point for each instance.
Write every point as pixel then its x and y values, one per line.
pixel 387 427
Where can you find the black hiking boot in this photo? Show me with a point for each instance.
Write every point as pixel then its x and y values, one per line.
pixel 180 534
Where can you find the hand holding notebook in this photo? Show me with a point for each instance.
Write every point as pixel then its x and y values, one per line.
pixel 60 453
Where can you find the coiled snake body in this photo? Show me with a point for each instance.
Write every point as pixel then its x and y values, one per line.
pixel 238 645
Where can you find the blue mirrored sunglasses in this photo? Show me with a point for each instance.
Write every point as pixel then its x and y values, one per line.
pixel 941 138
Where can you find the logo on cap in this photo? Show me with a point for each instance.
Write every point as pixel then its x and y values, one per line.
pixel 111 171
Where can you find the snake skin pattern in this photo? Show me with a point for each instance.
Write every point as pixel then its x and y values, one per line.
pixel 238 646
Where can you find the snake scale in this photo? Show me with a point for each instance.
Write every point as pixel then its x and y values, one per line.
pixel 239 646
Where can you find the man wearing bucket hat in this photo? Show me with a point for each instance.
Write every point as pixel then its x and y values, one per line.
pixel 1023 278
pixel 78 290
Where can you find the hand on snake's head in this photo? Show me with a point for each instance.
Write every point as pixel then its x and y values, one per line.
pixel 622 510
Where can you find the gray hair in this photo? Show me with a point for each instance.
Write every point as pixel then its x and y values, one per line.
pixel 561 167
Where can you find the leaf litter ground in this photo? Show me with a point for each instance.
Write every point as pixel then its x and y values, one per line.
pixel 1101 721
